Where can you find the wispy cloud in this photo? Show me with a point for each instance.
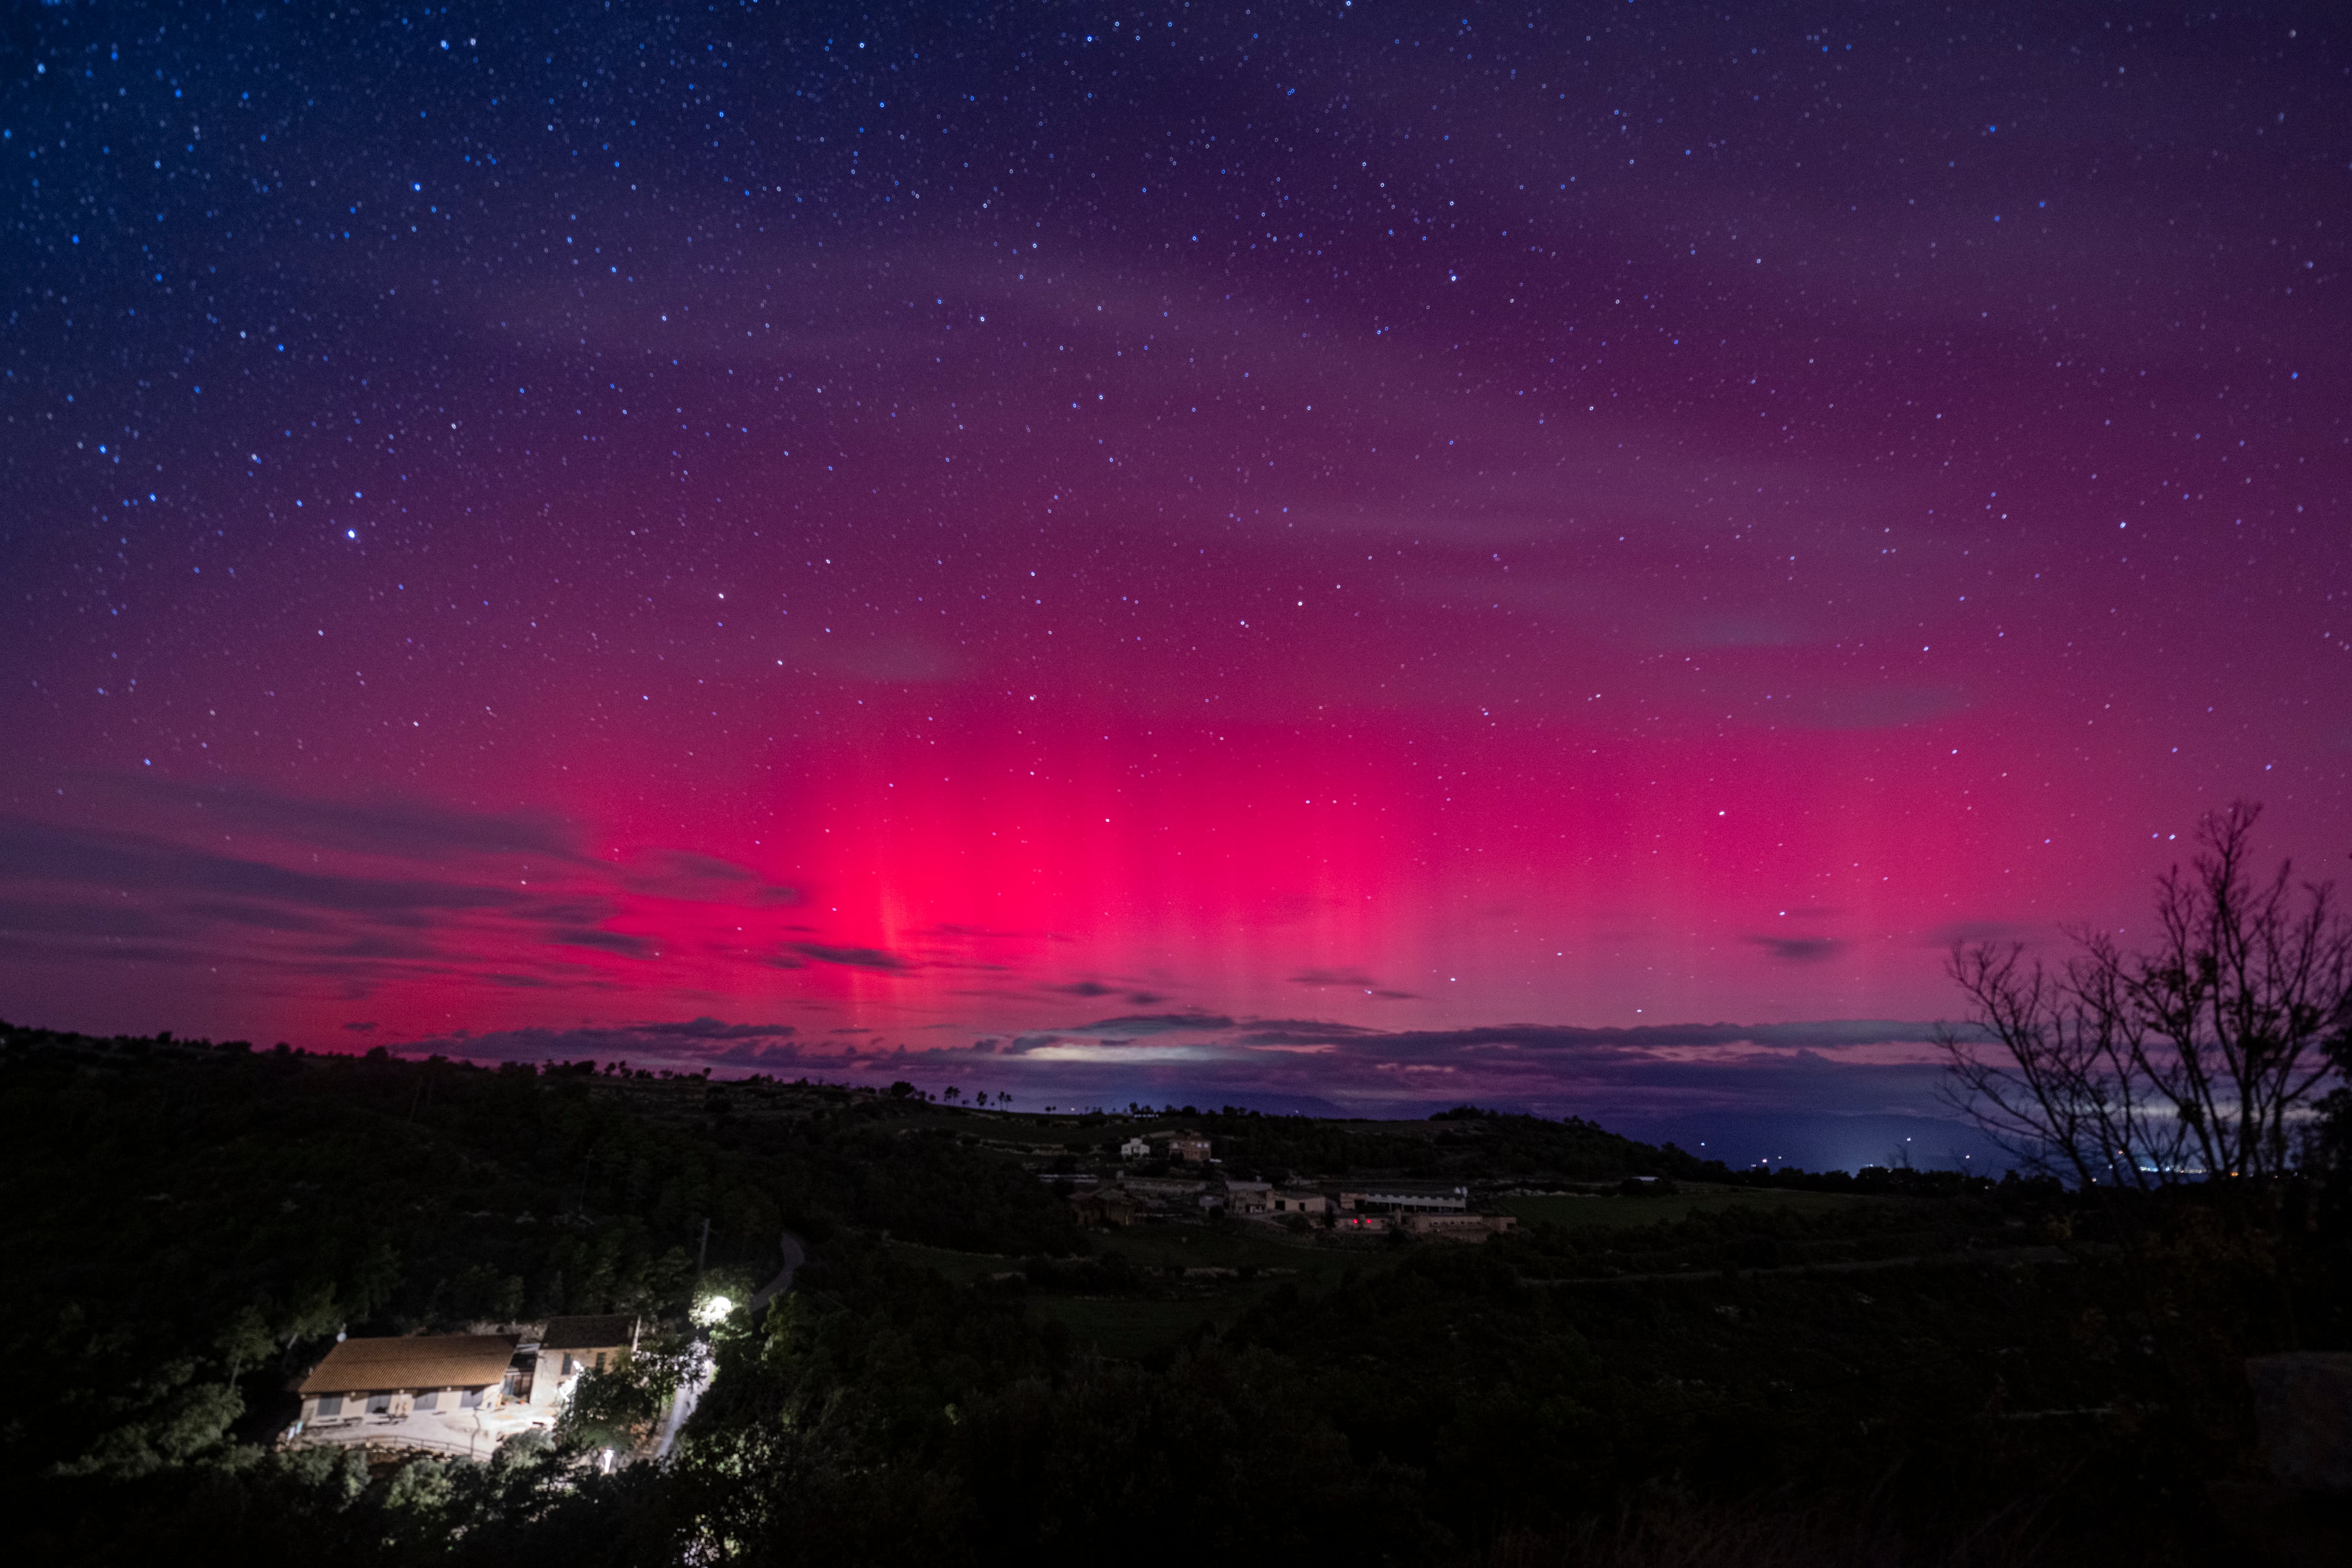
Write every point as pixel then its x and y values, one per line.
pixel 325 899
pixel 1801 949
pixel 875 958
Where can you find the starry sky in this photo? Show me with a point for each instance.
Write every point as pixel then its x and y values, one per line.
pixel 1360 554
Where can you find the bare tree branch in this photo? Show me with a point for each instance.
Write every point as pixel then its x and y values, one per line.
pixel 2193 1060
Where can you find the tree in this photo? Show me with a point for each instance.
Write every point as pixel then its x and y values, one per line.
pixel 2194 1059
pixel 619 1406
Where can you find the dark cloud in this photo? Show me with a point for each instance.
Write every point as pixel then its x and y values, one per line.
pixel 1354 979
pixel 711 1028
pixel 1970 933
pixel 61 919
pixel 39 851
pixel 406 829
pixel 686 875
pixel 1280 1031
pixel 875 958
pixel 696 1042
pixel 1091 989
pixel 1833 1034
pixel 1157 1023
pixel 270 917
pixel 1801 949
pixel 606 940
pixel 1633 1075
pixel 360 1027
pixel 384 945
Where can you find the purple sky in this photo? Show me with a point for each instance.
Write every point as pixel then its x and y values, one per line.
pixel 1360 555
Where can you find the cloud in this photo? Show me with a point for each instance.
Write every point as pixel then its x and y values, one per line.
pixel 1570 1040
pixel 1091 989
pixel 41 851
pixel 1356 979
pixel 233 885
pixel 875 958
pixel 1801 949
pixel 360 1027
pixel 703 1041
pixel 1631 1075
pixel 1970 933
pixel 1352 979
pixel 404 830
pixel 711 1028
pixel 1155 1023
pixel 707 879
pixel 57 919
pixel 607 941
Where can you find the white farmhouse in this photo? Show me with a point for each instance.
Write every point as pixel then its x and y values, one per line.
pixel 446 1394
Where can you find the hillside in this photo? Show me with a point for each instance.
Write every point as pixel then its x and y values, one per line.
pixel 1874 1366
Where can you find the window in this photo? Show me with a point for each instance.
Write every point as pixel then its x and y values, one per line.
pixel 379 1404
pixel 330 1405
pixel 469 1399
pixel 429 1399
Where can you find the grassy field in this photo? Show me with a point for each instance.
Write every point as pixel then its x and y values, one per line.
pixel 1133 1330
pixel 1237 1247
pixel 963 1268
pixel 1611 1211
pixel 1260 1258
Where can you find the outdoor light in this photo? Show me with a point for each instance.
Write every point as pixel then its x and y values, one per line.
pixel 713 1310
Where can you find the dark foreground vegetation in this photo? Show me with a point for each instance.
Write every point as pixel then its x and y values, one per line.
pixel 1897 1368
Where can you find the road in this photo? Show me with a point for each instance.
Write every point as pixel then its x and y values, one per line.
pixel 689 1391
pixel 795 1254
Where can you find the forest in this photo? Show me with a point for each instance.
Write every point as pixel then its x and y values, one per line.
pixel 1663 1362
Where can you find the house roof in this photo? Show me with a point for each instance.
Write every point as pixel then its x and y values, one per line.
pixel 601 1332
pixel 412 1362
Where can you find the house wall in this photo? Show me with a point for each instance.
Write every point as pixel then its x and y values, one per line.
pixel 317 1408
pixel 1467 1227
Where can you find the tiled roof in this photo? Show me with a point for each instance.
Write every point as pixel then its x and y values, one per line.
pixel 586 1334
pixel 412 1362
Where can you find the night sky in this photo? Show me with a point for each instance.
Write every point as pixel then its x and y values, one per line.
pixel 1351 555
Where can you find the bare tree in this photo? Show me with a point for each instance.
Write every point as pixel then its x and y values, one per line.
pixel 2189 1060
pixel 2060 1088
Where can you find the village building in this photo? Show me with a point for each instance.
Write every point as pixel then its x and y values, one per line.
pixel 1459 1226
pixel 1164 1189
pixel 1246 1196
pixel 1298 1200
pixel 1108 1207
pixel 1408 1199
pixel 448 1396
pixel 568 1347
pixel 1135 1148
pixel 1190 1147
